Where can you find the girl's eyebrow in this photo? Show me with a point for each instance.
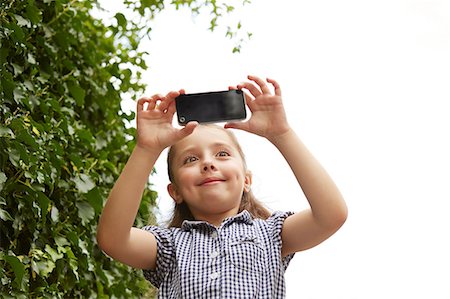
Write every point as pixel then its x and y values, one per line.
pixel 185 151
pixel 193 148
pixel 221 144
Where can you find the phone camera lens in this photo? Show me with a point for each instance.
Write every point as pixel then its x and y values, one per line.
pixel 182 119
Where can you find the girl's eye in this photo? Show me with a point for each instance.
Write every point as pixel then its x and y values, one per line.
pixel 223 154
pixel 190 159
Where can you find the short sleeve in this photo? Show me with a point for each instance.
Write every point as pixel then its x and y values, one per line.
pixel 275 222
pixel 164 256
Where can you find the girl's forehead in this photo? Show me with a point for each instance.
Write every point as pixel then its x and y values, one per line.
pixel 203 136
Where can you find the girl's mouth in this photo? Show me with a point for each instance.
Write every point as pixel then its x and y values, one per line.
pixel 210 181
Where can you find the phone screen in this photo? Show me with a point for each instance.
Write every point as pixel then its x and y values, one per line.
pixel 211 107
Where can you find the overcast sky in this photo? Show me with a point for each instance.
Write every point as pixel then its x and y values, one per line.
pixel 366 86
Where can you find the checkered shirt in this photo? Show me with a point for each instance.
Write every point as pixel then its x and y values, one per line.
pixel 240 259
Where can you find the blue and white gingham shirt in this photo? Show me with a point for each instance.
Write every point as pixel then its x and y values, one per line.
pixel 240 259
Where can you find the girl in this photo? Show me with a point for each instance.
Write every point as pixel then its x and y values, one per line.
pixel 221 242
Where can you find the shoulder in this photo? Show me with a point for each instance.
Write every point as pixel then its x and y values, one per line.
pixel 274 224
pixel 165 253
pixel 275 220
pixel 279 216
pixel 165 234
pixel 169 238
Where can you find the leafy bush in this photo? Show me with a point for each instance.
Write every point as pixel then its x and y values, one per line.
pixel 64 142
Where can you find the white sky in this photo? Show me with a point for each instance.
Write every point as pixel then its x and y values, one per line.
pixel 365 84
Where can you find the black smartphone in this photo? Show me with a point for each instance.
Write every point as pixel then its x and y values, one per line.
pixel 210 107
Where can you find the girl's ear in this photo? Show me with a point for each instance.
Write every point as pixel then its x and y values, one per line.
pixel 171 188
pixel 248 181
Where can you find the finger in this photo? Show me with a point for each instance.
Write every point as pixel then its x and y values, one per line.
pixel 244 126
pixel 173 94
pixel 146 104
pixel 248 99
pixel 154 100
pixel 141 102
pixel 169 98
pixel 276 86
pixel 171 109
pixel 187 129
pixel 254 91
pixel 261 83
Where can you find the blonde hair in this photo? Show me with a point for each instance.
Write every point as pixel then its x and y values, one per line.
pixel 248 201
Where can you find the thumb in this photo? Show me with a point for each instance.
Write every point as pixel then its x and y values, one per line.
pixel 188 129
pixel 237 125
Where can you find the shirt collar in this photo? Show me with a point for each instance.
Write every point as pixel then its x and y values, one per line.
pixel 243 217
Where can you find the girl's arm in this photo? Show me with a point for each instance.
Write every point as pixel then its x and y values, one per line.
pixel 116 235
pixel 328 211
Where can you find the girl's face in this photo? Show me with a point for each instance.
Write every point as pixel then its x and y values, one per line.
pixel 208 174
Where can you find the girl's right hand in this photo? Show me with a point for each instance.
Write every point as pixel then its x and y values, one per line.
pixel 154 122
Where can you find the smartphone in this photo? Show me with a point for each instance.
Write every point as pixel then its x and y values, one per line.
pixel 210 107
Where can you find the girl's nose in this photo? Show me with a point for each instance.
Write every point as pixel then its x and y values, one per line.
pixel 208 166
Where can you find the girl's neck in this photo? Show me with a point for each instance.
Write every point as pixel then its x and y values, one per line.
pixel 217 219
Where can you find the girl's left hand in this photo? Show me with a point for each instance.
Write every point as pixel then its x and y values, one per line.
pixel 268 118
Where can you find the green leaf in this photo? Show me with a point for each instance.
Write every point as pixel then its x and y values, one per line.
pixel 44 204
pixel 17 32
pixel 53 253
pixel 121 20
pixel 43 267
pixel 83 183
pixel 18 268
pixel 77 92
pixel 83 246
pixel 33 13
pixel 22 22
pixel 28 139
pixel 18 69
pixel 54 213
pixel 95 199
pixel 61 242
pixel 85 212
pixel 31 59
pixel 14 157
pixel 5 216
pixel 86 135
pixel 7 82
pixel 73 262
pixel 76 161
pixel 3 180
pixel 111 167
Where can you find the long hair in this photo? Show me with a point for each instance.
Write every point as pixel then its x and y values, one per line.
pixel 248 201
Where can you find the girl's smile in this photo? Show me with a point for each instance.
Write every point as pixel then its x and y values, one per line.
pixel 211 181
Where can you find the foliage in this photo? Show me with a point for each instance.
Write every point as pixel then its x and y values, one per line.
pixel 64 141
